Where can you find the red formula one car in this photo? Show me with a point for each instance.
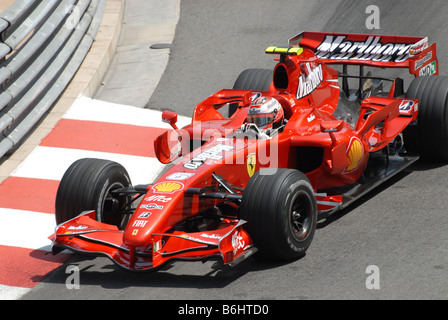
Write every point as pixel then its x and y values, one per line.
pixel 260 164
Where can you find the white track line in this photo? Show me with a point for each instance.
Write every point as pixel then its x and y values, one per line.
pixel 26 229
pixel 51 163
pixel 85 108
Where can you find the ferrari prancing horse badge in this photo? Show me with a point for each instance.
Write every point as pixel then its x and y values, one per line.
pixel 251 164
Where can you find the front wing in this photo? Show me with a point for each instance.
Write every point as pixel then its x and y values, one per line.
pixel 230 243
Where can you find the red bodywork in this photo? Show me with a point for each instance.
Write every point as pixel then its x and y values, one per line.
pixel 331 151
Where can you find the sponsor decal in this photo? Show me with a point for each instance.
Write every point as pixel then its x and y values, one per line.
pixel 156 198
pixel 134 232
pixel 158 245
pixel 309 80
pixel 152 206
pixel 422 61
pixel 214 153
pixel 337 47
pixel 406 107
pixel 292 102
pixel 355 154
pixel 167 187
pixel 311 117
pixel 237 242
pixel 139 223
pixel 144 215
pixel 180 176
pixel 251 162
pixel 81 227
pixel 211 236
pixel 201 237
pixel 428 70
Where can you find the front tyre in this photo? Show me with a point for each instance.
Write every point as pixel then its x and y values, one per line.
pixel 281 213
pixel 87 185
pixel 430 136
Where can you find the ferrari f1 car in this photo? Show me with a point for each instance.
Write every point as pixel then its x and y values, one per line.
pixel 261 163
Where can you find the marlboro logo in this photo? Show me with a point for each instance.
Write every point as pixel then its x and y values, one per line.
pixel 307 84
pixel 337 47
pixel 214 153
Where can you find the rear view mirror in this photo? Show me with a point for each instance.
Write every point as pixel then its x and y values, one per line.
pixel 167 147
pixel 331 126
pixel 171 118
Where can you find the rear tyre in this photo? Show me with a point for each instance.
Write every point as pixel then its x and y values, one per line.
pixel 254 80
pixel 281 213
pixel 87 185
pixel 429 137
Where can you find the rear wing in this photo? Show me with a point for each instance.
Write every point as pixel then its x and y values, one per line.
pixel 413 53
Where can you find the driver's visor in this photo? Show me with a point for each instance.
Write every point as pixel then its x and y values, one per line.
pixel 261 120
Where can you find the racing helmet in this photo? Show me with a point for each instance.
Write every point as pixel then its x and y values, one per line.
pixel 265 112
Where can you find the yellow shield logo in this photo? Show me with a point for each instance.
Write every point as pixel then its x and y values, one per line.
pixel 167 187
pixel 355 154
pixel 251 163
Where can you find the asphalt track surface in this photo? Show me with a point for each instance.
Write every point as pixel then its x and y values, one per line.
pixel 401 227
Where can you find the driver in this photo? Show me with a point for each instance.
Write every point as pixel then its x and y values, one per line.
pixel 266 113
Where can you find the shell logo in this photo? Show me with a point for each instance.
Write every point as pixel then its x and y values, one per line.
pixel 355 154
pixel 167 187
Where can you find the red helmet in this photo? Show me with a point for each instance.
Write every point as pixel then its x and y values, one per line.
pixel 265 112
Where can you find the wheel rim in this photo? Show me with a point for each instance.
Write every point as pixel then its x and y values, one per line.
pixel 301 216
pixel 109 207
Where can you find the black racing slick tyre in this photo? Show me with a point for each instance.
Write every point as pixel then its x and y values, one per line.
pixel 429 137
pixel 252 79
pixel 281 213
pixel 87 185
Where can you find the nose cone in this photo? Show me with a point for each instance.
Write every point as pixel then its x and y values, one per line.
pixel 158 210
